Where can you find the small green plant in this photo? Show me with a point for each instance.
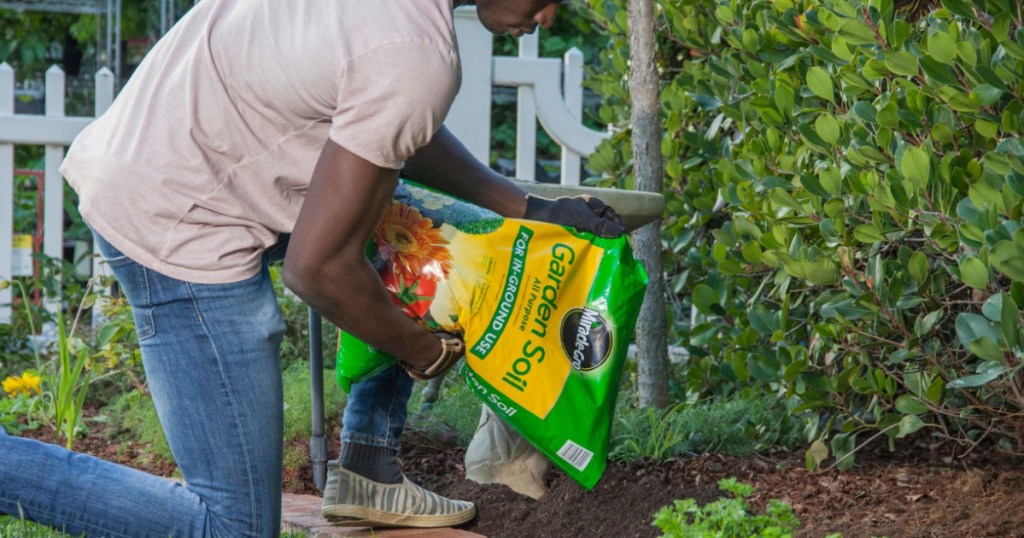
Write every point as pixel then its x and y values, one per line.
pixel 70 386
pixel 67 370
pixel 24 408
pixel 727 517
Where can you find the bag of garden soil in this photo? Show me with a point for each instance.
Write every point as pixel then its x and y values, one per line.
pixel 546 312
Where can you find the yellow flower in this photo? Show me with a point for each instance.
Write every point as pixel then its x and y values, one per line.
pixel 26 383
pixel 411 242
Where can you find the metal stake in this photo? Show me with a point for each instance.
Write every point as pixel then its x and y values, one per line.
pixel 317 443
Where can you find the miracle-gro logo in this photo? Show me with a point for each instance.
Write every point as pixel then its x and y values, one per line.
pixel 585 338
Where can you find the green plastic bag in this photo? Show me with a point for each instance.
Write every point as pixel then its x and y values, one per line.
pixel 547 314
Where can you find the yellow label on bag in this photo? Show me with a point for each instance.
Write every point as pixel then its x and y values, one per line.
pixel 532 277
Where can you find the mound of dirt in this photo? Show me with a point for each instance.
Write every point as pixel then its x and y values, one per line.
pixel 914 493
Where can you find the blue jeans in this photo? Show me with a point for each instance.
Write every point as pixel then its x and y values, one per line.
pixel 212 360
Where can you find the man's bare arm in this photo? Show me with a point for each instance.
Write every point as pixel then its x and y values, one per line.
pixel 446 165
pixel 326 263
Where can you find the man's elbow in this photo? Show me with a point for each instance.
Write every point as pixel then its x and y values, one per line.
pixel 297 278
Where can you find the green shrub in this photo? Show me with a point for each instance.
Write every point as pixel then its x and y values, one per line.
pixel 727 517
pixel 844 191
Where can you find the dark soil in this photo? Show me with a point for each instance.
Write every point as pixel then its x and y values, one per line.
pixel 910 494
pixel 921 491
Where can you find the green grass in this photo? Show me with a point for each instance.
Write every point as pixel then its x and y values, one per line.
pixel 135 414
pixel 13 527
pixel 736 426
pixel 297 403
pixel 456 411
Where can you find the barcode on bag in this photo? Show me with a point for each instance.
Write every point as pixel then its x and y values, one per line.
pixel 576 455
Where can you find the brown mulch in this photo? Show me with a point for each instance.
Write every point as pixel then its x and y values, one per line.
pixel 921 491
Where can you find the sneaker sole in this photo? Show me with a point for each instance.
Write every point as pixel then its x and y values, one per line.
pixel 348 515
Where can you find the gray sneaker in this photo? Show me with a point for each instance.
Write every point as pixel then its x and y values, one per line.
pixel 351 500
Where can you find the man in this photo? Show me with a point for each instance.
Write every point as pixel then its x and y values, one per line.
pixel 249 120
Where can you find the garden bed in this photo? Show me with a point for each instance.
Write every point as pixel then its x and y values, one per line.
pixel 913 493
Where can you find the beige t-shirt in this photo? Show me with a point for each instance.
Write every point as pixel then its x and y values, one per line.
pixel 205 156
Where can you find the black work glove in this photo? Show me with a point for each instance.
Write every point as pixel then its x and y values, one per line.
pixel 585 213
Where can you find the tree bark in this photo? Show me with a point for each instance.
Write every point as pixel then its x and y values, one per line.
pixel 652 345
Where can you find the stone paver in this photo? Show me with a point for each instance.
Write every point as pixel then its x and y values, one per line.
pixel 302 513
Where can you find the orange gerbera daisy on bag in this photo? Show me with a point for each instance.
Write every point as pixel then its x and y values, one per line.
pixel 409 241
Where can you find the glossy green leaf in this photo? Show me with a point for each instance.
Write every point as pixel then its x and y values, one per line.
pixel 762 319
pixel 820 83
pixel 1008 258
pixel 703 297
pixel 902 63
pixel 974 272
pixel 868 233
pixel 827 128
pixel 924 324
pixel 942 47
pixel 986 95
pixel 831 180
pixel 856 33
pixel 865 111
pixel 918 266
pixel 970 327
pixel 976 380
pixel 916 165
pixel 909 424
pixel 910 405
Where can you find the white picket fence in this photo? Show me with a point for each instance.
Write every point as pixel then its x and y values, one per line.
pixel 549 91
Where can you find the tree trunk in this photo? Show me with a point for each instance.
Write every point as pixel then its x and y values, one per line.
pixel 652 345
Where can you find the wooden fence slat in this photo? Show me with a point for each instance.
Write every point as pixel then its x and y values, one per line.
pixel 572 92
pixel 104 98
pixel 6 190
pixel 526 116
pixel 53 201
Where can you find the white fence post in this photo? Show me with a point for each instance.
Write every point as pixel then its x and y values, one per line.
pixel 6 191
pixel 526 116
pixel 470 116
pixel 53 204
pixel 104 97
pixel 572 90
